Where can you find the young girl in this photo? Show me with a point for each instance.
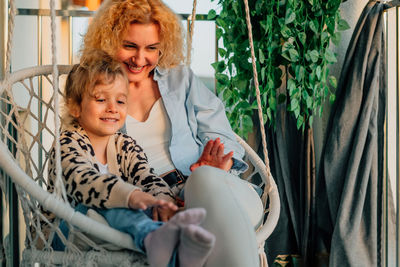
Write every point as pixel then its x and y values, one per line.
pixel 108 171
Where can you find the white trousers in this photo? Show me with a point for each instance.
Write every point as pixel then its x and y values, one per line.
pixel 234 210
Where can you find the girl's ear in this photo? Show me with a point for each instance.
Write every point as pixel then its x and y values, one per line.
pixel 74 109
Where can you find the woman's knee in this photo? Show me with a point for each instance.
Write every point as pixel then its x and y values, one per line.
pixel 204 177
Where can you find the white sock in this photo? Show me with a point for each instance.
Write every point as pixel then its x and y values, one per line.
pixel 195 246
pixel 160 244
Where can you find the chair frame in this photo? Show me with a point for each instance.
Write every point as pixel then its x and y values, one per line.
pixel 63 210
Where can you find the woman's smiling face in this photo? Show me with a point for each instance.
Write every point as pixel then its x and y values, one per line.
pixel 140 51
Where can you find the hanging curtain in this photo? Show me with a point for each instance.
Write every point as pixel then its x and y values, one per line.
pixel 349 195
pixel 292 164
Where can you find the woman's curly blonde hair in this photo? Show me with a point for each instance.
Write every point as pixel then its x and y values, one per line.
pixel 111 21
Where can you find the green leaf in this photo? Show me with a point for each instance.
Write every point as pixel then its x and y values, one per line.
pixel 235 6
pixel 263 73
pixel 269 114
pixel 259 7
pixel 215 65
pixel 247 122
pixel 333 81
pixel 324 36
pixel 219 66
pixel 330 23
pixel 294 104
pixel 222 78
pixel 318 72
pixel 330 56
pixel 294 55
pixel 241 85
pixel 221 22
pixel 296 112
pixel 332 98
pixel 290 16
pixel 211 14
pixel 265 117
pixel 287 45
pixel 300 122
pixel 314 56
pixel 286 32
pixel 291 85
pixel 302 37
pixel 286 56
pixel 311 2
pixel 221 52
pixel 272 102
pixel 314 25
pixel 227 94
pixel 300 72
pixel 220 88
pixel 218 33
pixel 336 37
pixel 309 102
pixel 310 120
pixel 342 25
pixel 244 105
pixel 261 56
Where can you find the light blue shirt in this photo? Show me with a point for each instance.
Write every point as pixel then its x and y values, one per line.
pixel 196 116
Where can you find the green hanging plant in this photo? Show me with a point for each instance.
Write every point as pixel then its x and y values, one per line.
pixel 290 37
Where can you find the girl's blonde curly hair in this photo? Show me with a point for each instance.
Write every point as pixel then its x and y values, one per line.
pixel 96 67
pixel 111 21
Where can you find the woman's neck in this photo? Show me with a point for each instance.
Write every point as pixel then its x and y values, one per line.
pixel 142 97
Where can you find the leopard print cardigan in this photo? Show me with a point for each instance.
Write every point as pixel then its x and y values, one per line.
pixel 128 166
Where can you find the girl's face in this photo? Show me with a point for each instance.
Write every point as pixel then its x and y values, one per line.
pixel 103 113
pixel 140 50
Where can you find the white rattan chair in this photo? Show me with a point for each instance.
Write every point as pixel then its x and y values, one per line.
pixel 27 110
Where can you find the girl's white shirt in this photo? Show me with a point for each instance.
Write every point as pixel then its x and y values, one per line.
pixel 103 168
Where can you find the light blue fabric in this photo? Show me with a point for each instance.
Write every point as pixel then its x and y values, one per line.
pixel 196 116
pixel 136 223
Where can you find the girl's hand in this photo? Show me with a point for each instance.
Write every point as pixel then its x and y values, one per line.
pixel 141 201
pixel 161 213
pixel 213 155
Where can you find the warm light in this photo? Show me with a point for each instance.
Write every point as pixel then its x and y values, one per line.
pixel 90 4
pixel 93 4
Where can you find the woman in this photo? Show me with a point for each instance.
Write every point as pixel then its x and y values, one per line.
pixel 173 116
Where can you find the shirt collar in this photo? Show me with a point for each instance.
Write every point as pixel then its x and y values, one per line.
pixel 159 73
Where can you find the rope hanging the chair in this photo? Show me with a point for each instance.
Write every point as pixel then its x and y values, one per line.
pixel 59 185
pixel 262 254
pixel 259 107
pixel 256 83
pixel 190 37
pixel 263 257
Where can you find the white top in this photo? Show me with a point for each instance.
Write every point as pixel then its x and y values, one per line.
pixel 103 168
pixel 153 135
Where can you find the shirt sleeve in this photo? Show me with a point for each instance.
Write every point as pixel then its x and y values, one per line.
pixel 211 121
pixel 139 173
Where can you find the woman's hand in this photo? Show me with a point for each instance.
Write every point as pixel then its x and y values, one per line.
pixel 213 155
pixel 141 200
